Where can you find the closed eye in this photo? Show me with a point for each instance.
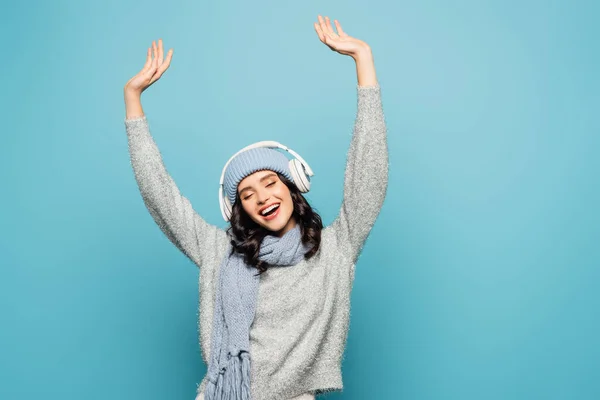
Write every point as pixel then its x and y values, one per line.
pixel 250 195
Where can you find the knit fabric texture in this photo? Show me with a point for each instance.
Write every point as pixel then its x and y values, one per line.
pixel 235 304
pixel 251 161
pixel 302 313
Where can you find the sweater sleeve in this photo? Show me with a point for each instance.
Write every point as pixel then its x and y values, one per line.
pixel 172 212
pixel 366 175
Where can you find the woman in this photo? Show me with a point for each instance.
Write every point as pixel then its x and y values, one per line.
pixel 275 286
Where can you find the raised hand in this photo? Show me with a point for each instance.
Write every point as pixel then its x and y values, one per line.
pixel 340 42
pixel 155 66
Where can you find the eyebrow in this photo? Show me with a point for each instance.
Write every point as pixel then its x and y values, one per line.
pixel 261 179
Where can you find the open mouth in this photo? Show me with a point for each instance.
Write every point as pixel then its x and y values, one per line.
pixel 270 212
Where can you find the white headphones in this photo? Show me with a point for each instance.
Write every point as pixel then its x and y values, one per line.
pixel 298 167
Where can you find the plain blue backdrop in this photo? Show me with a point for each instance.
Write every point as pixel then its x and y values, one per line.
pixel 479 280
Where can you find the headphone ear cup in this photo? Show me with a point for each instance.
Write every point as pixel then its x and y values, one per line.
pixel 301 180
pixel 227 208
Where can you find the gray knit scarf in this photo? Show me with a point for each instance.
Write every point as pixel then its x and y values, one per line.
pixel 235 305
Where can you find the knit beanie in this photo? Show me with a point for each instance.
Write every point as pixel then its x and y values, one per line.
pixel 250 161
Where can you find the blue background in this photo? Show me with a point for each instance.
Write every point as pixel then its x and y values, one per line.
pixel 479 280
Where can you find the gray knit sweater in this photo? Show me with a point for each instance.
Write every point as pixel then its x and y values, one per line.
pixel 301 324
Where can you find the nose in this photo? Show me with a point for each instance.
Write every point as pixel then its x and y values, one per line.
pixel 262 196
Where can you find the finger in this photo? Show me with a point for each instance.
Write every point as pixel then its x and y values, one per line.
pixel 338 26
pixel 327 36
pixel 160 52
pixel 149 72
pixel 322 24
pixel 148 60
pixel 329 27
pixel 163 67
pixel 319 32
pixel 155 55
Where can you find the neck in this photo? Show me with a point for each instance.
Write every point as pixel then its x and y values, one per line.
pixel 290 225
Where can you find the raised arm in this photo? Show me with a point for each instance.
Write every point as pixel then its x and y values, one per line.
pixel 366 175
pixel 170 209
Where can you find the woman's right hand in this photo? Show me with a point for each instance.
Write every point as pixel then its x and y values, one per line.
pixel 153 69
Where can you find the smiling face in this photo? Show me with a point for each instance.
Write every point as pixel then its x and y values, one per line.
pixel 267 200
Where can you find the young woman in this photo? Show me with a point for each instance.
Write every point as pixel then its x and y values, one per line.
pixel 275 286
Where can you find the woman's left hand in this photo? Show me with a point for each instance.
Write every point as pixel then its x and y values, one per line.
pixel 340 42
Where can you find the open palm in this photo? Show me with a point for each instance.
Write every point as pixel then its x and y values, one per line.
pixel 156 65
pixel 338 41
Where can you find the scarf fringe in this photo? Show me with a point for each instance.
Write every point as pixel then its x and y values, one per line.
pixel 245 376
pixel 233 381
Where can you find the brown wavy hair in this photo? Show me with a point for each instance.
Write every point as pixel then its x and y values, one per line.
pixel 247 235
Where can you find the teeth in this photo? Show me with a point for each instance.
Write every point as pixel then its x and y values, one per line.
pixel 269 209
